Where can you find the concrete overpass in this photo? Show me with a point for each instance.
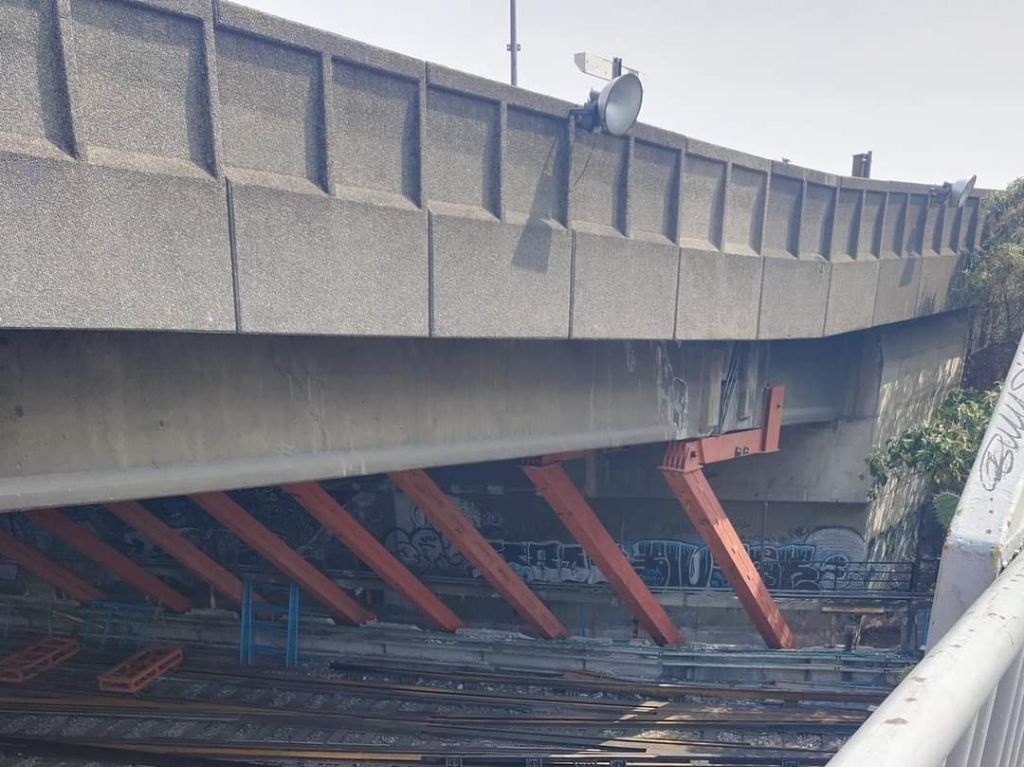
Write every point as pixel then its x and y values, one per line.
pixel 232 185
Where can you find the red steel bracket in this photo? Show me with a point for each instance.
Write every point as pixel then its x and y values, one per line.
pixel 446 516
pixel 694 453
pixel 176 545
pixel 225 510
pixel 682 469
pixel 333 516
pixel 48 570
pixel 56 523
pixel 572 508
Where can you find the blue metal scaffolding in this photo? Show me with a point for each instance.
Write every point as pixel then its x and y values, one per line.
pixel 262 623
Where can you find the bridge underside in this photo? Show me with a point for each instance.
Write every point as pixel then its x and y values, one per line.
pixel 93 416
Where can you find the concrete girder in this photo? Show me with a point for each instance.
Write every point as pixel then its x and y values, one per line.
pixel 160 414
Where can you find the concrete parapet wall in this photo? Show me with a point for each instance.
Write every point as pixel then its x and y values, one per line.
pixel 194 165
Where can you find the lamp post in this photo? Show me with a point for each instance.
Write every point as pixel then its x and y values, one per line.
pixel 513 46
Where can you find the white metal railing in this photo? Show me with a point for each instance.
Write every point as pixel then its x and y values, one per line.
pixel 963 704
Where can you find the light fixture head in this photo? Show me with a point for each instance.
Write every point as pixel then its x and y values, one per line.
pixel 618 104
pixel 614 108
pixel 960 190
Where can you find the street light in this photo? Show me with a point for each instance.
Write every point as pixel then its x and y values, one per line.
pixel 615 108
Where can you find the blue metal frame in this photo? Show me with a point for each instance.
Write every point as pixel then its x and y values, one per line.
pixel 260 620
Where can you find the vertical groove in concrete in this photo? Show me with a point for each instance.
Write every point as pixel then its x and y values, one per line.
pixel 572 282
pixel 233 245
pixel 69 71
pixel 326 96
pixel 760 249
pixel 624 222
pixel 500 159
pixel 212 90
pixel 431 306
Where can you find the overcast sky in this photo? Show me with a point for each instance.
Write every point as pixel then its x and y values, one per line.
pixel 934 88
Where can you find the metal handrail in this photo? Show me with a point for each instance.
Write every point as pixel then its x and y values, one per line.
pixel 921 721
pixel 963 705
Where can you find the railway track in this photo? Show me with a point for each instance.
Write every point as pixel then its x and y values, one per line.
pixel 212 712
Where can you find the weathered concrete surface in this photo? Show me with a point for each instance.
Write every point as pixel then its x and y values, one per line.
pixel 363 269
pixel 97 247
pixel 903 372
pixel 376 194
pixel 91 416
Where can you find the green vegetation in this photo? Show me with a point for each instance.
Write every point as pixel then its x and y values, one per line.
pixel 943 448
pixel 993 290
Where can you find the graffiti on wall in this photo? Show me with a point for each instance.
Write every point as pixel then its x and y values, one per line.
pixel 817 561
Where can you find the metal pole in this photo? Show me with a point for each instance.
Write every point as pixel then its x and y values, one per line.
pixel 513 43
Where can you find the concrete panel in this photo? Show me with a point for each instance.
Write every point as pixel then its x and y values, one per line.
pixel 970 226
pixel 535 172
pixel 899 280
pixel 945 233
pixel 499 280
pixel 623 288
pixel 846 227
pixel 869 240
pixel 793 297
pixel 702 193
pixel 934 226
pixel 164 413
pixel 782 227
pixel 719 294
pixel 374 131
pixel 938 273
pixel 34 111
pixel 893 237
pixel 310 264
pixel 88 246
pixel 461 150
pixel 851 295
pixel 744 210
pixel 161 109
pixel 816 221
pixel 597 186
pixel 917 217
pixel 653 204
pixel 271 110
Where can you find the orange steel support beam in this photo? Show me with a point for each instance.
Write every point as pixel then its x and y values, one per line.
pixel 333 516
pixel 48 570
pixel 682 468
pixel 446 516
pixel 221 507
pixel 186 553
pixel 695 453
pixel 567 501
pixel 77 536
